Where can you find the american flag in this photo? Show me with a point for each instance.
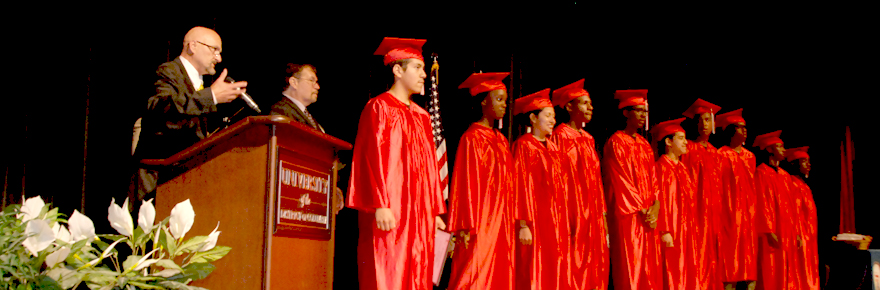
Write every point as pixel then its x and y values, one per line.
pixel 439 140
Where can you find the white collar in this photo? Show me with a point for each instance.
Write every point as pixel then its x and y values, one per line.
pixel 193 74
pixel 298 104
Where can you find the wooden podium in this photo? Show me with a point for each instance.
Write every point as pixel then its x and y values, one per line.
pixel 269 181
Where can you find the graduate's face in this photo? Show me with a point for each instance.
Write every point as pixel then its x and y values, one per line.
pixel 581 109
pixel 413 76
pixel 543 123
pixel 741 132
pixel 677 144
pixel 495 104
pixel 705 124
pixel 805 166
pixel 777 150
pixel 636 117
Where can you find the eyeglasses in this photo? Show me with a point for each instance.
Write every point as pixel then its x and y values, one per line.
pixel 313 81
pixel 215 50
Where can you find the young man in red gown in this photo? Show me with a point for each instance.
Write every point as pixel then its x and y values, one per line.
pixel 807 253
pixel 589 250
pixel 776 225
pixel 678 217
pixel 394 181
pixel 543 181
pixel 737 242
pixel 481 204
pixel 702 161
pixel 630 188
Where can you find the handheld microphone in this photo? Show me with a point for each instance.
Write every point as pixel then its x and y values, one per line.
pixel 247 99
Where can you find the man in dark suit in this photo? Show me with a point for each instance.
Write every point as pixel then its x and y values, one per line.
pixel 301 90
pixel 183 110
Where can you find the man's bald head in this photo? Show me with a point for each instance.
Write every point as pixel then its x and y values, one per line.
pixel 202 47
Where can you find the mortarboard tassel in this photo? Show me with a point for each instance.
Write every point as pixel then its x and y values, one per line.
pixel 713 120
pixel 529 130
pixel 583 124
pixel 646 115
pixel 500 124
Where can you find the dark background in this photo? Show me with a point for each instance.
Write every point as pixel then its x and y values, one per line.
pixel 808 73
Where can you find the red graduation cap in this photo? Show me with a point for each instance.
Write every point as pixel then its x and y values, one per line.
pixel 765 140
pixel 533 102
pixel 728 118
pixel 666 128
pixel 631 98
pixel 563 95
pixel 797 153
pixel 400 48
pixel 701 106
pixel 484 82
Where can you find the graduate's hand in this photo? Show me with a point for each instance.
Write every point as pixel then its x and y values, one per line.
pixel 438 223
pixel 338 200
pixel 773 240
pixel 525 236
pixel 385 219
pixel 667 240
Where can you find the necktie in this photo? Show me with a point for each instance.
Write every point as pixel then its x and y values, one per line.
pixel 201 87
pixel 311 120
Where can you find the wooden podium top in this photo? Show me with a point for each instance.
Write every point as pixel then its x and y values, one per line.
pixel 241 126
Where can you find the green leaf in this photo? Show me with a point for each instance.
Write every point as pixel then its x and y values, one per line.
pixel 196 271
pixel 168 242
pixel 191 245
pixel 211 255
pixel 168 264
pixel 144 285
pixel 48 283
pixel 129 262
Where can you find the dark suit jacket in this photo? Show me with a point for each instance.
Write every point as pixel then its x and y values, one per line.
pixel 177 116
pixel 287 108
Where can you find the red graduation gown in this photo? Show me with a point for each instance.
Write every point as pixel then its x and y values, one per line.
pixel 678 217
pixel 542 182
pixel 630 186
pixel 589 246
pixel 394 166
pixel 705 172
pixel 808 253
pixel 481 203
pixel 738 242
pixel 774 215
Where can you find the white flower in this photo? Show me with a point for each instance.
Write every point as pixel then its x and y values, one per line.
pixel 212 239
pixel 147 215
pixel 39 236
pixel 81 227
pixel 59 255
pixel 31 208
pixel 181 219
pixel 119 218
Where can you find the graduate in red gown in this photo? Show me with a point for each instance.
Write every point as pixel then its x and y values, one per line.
pixel 737 242
pixel 630 188
pixel 481 200
pixel 775 221
pixel 394 181
pixel 678 220
pixel 702 160
pixel 808 253
pixel 542 185
pixel 589 251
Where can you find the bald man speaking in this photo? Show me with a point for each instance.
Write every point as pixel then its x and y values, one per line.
pixel 183 109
